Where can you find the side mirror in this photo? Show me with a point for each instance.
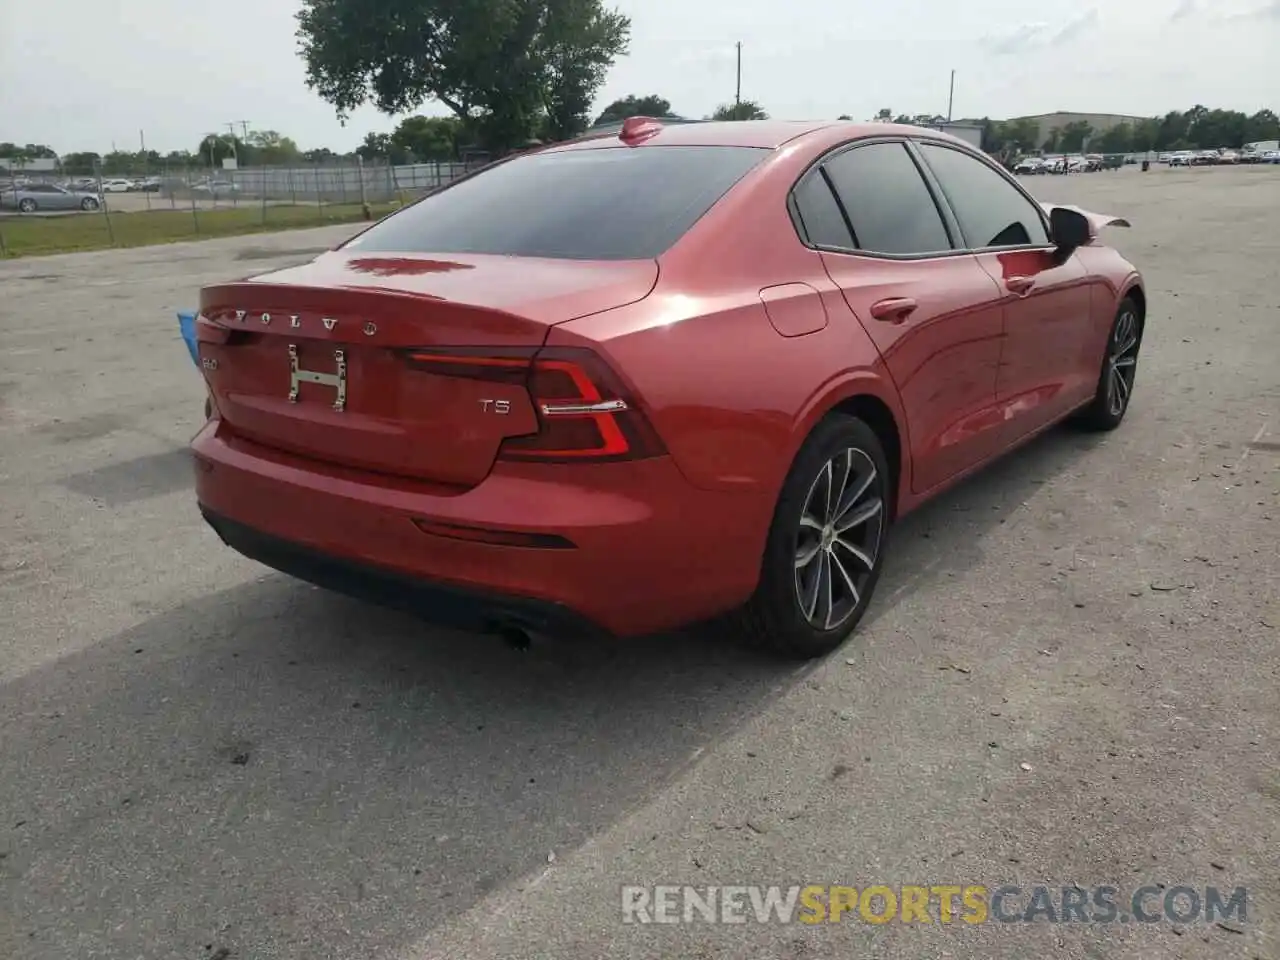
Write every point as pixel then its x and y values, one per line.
pixel 1068 229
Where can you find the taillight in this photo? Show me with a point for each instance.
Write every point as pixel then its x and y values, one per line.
pixel 584 410
pixel 209 332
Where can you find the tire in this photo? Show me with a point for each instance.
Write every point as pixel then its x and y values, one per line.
pixel 88 203
pixel 1119 371
pixel 27 205
pixel 792 613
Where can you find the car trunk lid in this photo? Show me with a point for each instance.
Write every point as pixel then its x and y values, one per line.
pixel 311 359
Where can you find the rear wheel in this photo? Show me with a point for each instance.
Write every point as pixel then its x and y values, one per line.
pixel 826 546
pixel 1119 370
pixel 27 205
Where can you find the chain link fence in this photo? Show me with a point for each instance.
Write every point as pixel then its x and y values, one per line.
pixel 77 210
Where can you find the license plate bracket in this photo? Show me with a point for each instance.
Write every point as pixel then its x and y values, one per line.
pixel 298 375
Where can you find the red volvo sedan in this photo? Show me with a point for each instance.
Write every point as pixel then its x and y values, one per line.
pixel 640 380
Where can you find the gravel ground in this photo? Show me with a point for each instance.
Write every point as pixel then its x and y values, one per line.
pixel 1069 676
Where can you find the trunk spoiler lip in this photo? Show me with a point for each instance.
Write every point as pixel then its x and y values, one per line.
pixel 1097 221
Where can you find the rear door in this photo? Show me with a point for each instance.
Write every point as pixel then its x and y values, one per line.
pixel 932 311
pixel 1047 363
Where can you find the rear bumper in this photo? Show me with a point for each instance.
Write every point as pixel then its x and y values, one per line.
pixel 461 608
pixel 645 550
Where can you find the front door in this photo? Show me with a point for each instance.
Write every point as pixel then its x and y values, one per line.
pixel 1047 313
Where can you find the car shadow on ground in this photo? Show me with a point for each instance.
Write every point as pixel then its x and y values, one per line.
pixel 273 765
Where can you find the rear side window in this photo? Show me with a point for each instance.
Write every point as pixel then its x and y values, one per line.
pixel 888 202
pixel 611 203
pixel 819 214
pixel 992 212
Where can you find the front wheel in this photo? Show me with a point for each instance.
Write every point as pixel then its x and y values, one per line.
pixel 826 546
pixel 88 203
pixel 1119 371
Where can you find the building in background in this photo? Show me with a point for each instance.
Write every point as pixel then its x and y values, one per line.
pixel 12 165
pixel 1046 123
pixel 970 133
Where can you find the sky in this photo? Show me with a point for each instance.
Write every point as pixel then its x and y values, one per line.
pixel 85 76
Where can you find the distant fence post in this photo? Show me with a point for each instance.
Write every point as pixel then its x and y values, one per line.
pixel 195 216
pixel 315 184
pixel 262 188
pixel 364 197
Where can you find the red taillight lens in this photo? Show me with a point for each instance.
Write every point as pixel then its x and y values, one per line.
pixel 584 410
pixel 209 332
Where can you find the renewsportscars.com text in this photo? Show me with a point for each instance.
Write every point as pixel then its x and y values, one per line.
pixel 938 903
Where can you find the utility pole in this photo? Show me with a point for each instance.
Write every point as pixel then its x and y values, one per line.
pixel 244 127
pixel 235 154
pixel 737 95
pixel 951 97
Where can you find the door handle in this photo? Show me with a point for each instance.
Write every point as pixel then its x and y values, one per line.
pixel 894 309
pixel 1020 285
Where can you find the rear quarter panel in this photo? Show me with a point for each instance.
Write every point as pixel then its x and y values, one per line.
pixel 730 396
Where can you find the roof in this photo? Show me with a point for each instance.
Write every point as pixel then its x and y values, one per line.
pixel 769 134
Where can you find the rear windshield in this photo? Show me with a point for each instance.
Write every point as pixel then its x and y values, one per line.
pixel 610 203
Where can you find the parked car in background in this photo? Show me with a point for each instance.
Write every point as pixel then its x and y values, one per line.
pixel 117 185
pixel 42 197
pixel 1228 156
pixel 216 188
pixel 1180 158
pixel 1030 165
pixel 1069 164
pixel 506 421
pixel 147 184
pixel 1270 156
pixel 1255 151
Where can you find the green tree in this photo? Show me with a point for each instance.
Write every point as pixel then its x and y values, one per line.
pixel 651 105
pixel 1074 135
pixel 1052 141
pixel 378 146
pixel 269 147
pixel 81 164
pixel 427 138
pixel 884 114
pixel 1145 134
pixel 1117 139
pixel 580 41
pixel 507 66
pixel 746 110
pixel 215 148
pixel 1263 125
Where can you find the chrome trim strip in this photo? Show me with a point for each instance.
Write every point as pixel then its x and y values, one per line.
pixel 578 409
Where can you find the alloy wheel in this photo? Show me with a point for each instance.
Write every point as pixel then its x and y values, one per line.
pixel 1122 362
pixel 839 537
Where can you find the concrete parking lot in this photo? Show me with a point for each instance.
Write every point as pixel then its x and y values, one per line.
pixel 1070 675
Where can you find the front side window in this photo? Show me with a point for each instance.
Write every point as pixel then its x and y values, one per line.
pixel 608 203
pixel 992 212
pixel 888 202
